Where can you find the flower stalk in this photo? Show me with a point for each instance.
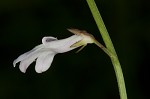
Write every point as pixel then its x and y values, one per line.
pixel 103 48
pixel 110 50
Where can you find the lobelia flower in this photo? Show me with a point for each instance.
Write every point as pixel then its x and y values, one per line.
pixel 45 52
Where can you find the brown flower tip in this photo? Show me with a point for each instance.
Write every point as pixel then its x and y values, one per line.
pixel 80 32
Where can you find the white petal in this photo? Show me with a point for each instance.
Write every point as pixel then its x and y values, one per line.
pixel 44 61
pixel 61 46
pixel 24 64
pixel 27 54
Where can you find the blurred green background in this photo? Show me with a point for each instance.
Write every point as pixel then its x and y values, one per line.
pixel 88 74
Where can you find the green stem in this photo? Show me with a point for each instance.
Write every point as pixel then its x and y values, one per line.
pixel 110 48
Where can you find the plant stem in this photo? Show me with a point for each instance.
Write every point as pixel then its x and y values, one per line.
pixel 109 45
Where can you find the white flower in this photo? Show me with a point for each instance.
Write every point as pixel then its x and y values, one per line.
pixel 45 52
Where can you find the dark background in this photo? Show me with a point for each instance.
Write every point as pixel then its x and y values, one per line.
pixel 88 74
